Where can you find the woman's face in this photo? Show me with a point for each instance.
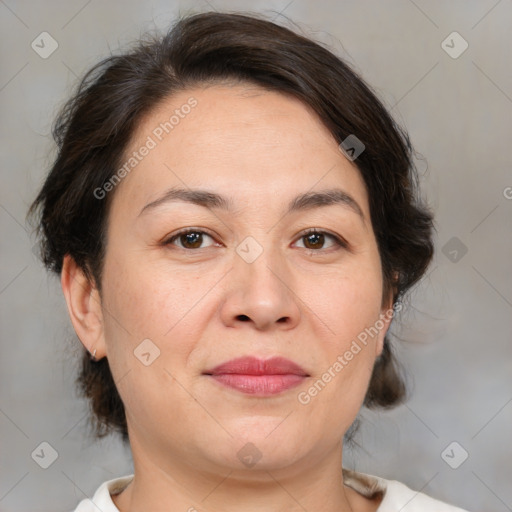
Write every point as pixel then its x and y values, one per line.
pixel 247 281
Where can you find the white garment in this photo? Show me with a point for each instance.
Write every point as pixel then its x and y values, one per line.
pixel 397 496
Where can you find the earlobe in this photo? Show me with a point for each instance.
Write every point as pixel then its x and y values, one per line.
pixel 84 307
pixel 383 323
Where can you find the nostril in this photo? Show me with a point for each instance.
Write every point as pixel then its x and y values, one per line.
pixel 244 318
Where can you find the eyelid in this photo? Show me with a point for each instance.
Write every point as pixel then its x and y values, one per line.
pixel 339 241
pixel 175 235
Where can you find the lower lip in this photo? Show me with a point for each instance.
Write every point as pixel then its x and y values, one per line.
pixel 262 385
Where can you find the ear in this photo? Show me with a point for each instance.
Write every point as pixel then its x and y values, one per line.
pixel 84 307
pixel 383 323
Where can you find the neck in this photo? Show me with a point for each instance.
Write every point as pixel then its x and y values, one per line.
pixel 176 486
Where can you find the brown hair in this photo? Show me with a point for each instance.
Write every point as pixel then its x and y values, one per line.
pixel 95 127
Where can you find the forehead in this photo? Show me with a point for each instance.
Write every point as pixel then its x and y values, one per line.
pixel 249 141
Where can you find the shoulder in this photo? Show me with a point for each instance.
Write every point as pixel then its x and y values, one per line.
pixel 102 497
pixel 400 497
pixel 395 495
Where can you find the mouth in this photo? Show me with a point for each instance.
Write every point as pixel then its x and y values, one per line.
pixel 259 377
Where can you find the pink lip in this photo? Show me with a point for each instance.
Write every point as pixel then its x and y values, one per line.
pixel 257 376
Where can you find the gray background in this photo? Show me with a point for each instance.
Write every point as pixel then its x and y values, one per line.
pixel 457 331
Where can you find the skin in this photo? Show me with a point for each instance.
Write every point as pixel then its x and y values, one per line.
pixel 306 301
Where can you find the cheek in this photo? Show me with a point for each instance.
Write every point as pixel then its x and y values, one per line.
pixel 147 301
pixel 346 301
pixel 147 311
pixel 348 304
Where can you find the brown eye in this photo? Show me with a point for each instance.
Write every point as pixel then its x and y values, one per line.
pixel 190 239
pixel 315 240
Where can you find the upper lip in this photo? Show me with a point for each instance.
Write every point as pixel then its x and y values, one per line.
pixel 255 366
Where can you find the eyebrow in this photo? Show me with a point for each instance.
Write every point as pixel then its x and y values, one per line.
pixel 212 200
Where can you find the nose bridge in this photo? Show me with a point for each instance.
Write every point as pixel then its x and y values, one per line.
pixel 260 263
pixel 262 285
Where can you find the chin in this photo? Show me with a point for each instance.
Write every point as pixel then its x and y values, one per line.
pixel 263 443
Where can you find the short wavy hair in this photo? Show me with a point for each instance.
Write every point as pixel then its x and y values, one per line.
pixel 95 126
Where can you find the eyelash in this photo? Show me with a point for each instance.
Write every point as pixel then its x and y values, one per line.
pixel 340 243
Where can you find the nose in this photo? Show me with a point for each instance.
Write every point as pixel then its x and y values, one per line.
pixel 261 293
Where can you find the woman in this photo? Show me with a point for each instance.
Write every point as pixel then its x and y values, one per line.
pixel 234 219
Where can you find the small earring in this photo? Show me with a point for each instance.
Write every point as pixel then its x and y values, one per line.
pixel 93 355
